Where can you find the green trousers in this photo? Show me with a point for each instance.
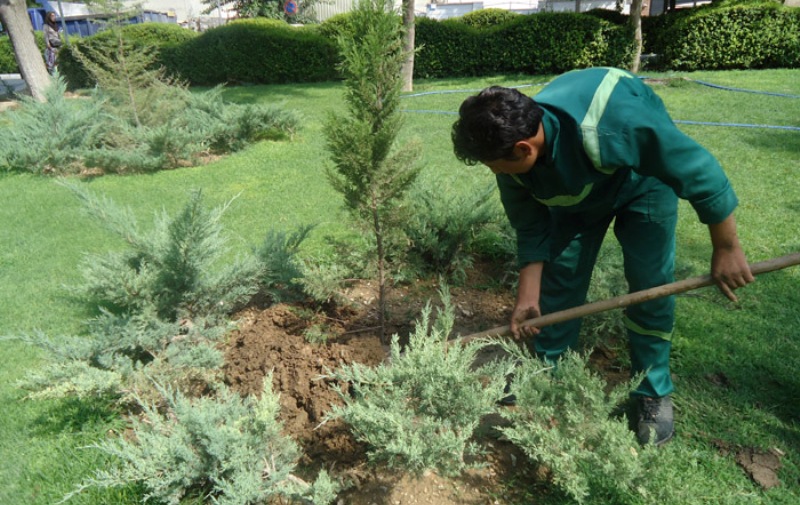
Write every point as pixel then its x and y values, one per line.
pixel 644 224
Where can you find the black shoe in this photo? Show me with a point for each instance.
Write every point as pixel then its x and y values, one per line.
pixel 509 400
pixel 655 420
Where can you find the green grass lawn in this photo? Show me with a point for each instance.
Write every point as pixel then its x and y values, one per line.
pixel 754 344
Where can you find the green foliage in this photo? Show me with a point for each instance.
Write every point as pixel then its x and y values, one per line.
pixel 161 40
pixel 8 62
pixel 52 136
pixel 369 170
pixel 563 421
pixel 141 124
pixel 540 43
pixel 163 306
pixel 743 36
pixel 136 89
pixel 420 410
pixel 199 123
pixel 366 172
pixel 441 227
pixel 177 270
pixel 281 268
pixel 336 26
pixel 562 41
pixel 450 48
pixel 257 51
pixel 613 16
pixel 122 354
pixel 227 448
pixel 487 18
pixel 231 126
pixel 567 421
pixel 326 276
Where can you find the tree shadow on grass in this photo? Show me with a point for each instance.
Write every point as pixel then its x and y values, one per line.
pixel 74 415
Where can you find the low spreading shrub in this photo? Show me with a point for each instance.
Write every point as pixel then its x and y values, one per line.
pixel 441 228
pixel 162 305
pixel 229 449
pixel 52 136
pixel 175 271
pixel 281 267
pixel 563 421
pixel 420 410
pixel 155 126
pixel 567 419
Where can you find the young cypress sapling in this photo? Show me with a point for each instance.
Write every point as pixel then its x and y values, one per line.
pixel 369 171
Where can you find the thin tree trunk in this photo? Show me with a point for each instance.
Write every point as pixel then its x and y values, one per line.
pixel 577 5
pixel 376 223
pixel 407 72
pixel 14 16
pixel 636 24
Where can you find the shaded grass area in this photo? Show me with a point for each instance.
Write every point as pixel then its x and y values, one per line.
pixel 754 344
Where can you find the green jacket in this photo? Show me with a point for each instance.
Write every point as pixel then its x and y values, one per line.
pixel 609 138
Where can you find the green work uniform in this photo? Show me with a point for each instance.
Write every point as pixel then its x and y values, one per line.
pixel 613 153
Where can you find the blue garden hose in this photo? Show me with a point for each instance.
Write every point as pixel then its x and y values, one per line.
pixel 677 121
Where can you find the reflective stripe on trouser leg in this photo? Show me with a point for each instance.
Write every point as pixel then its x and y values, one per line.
pixel 565 281
pixel 646 230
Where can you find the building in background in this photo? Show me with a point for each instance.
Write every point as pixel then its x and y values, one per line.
pixel 189 13
pixel 81 20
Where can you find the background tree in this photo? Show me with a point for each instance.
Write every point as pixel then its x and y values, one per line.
pixel 370 174
pixel 636 24
pixel 14 16
pixel 407 72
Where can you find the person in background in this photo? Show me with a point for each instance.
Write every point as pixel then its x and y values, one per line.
pixel 597 146
pixel 52 41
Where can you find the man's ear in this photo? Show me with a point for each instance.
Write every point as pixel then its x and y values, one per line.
pixel 523 148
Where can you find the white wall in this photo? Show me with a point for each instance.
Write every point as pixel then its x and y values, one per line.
pixel 183 9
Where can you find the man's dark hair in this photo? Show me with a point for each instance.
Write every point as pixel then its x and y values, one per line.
pixel 492 122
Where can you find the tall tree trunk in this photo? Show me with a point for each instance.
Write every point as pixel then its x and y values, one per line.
pixel 577 5
pixel 407 72
pixel 636 24
pixel 14 16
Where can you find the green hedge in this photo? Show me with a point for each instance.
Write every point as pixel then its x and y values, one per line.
pixel 540 43
pixel 487 18
pixel 449 48
pixel 164 37
pixel 739 37
pixel 8 62
pixel 258 51
pixel 485 42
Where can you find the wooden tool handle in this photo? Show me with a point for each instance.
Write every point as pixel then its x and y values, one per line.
pixel 619 302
